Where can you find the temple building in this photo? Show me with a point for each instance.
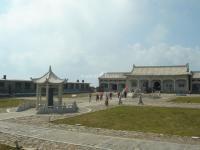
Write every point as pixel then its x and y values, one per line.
pixel 167 79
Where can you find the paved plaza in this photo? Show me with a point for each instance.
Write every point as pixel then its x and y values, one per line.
pixel 27 125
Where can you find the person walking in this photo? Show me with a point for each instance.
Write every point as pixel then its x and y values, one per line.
pixel 125 94
pixel 110 95
pixel 97 96
pixel 140 100
pixel 118 94
pixel 120 99
pixel 106 101
pixel 101 96
pixel 90 97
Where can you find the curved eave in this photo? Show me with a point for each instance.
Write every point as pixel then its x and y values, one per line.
pixel 37 81
pixel 112 78
pixel 158 74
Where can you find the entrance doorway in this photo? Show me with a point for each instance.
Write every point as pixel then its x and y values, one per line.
pixel 114 87
pixel 157 86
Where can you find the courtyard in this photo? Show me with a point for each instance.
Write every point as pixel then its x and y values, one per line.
pixel 160 123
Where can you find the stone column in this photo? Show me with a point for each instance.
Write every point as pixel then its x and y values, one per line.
pixel 175 86
pixel 128 83
pixel 37 96
pixel 108 85
pixel 138 83
pixel 161 84
pixel 149 83
pixel 47 93
pixel 117 86
pixel 60 94
pixel 187 85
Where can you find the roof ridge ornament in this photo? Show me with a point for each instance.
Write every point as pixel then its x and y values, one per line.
pixel 50 69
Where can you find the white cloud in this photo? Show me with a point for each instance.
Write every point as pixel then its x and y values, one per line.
pixel 164 54
pixel 67 34
pixel 158 35
pixel 82 38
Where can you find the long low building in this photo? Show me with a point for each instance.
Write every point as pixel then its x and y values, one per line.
pixel 168 79
pixel 15 87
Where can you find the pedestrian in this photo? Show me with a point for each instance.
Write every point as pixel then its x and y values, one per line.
pixel 125 94
pixel 110 95
pixel 118 94
pixel 106 101
pixel 97 96
pixel 140 100
pixel 189 92
pixel 101 95
pixel 120 99
pixel 133 93
pixel 90 97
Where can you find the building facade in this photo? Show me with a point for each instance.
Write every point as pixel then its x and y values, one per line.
pixel 10 87
pixel 167 79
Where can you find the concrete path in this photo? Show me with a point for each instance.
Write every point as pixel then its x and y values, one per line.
pixel 4 116
pixel 89 140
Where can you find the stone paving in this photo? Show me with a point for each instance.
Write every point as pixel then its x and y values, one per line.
pixel 4 116
pixel 89 140
pixel 27 125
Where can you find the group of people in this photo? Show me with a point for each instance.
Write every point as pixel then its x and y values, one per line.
pixel 99 96
pixel 108 96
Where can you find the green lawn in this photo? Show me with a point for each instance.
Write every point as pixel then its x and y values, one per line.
pixel 186 100
pixel 5 147
pixel 176 121
pixel 8 102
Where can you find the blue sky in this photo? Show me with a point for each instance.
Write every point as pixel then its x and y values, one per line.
pixel 82 39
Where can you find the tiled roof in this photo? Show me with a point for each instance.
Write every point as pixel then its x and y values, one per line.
pixel 149 70
pixel 114 75
pixel 160 70
pixel 15 80
pixel 49 77
pixel 196 74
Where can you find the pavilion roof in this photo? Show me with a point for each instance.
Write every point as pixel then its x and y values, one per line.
pixel 49 77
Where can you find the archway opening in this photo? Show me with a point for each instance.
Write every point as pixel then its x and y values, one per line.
pixel 157 86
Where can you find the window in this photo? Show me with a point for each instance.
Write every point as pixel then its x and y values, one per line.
pixel 87 86
pixel 122 85
pixel 105 85
pixel 82 86
pixel 134 83
pixel 18 85
pixel 77 86
pixel 66 86
pixel 168 85
pixel 2 84
pixel 181 85
pixel 71 86
pixel 27 85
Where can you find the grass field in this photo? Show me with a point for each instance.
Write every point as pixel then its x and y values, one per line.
pixel 5 147
pixel 186 100
pixel 176 121
pixel 8 102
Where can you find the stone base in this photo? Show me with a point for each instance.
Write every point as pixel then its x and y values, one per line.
pixel 70 108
